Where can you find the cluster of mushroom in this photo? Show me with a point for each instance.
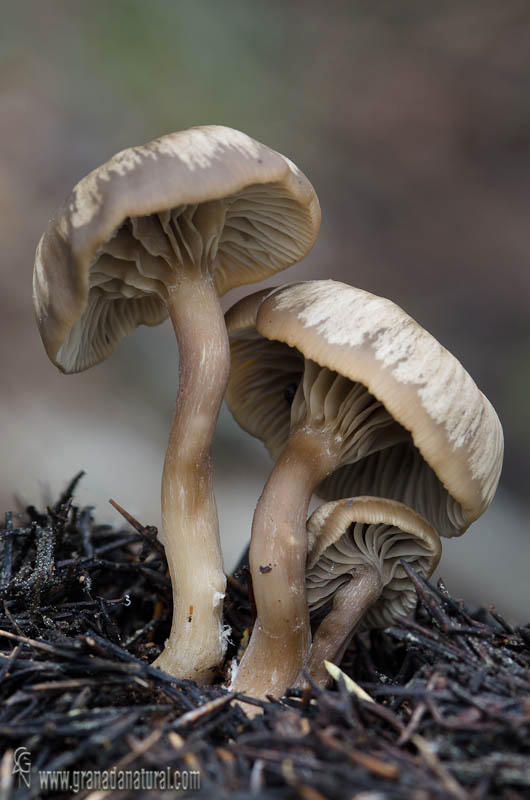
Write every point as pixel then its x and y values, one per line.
pixel 356 402
pixel 353 399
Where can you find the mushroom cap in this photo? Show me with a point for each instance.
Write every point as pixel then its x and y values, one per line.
pixel 448 465
pixel 347 534
pixel 211 196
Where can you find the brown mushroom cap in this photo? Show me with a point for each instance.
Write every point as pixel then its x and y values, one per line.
pixel 447 462
pixel 348 534
pixel 210 196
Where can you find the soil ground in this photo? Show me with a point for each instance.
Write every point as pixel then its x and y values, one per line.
pixel 84 610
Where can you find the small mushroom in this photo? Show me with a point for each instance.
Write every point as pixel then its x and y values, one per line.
pixel 355 549
pixel 162 230
pixel 351 397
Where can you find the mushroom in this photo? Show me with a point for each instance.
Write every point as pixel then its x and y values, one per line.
pixel 162 230
pixel 356 546
pixel 351 397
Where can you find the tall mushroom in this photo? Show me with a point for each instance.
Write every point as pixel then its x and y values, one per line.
pixel 351 396
pixel 355 549
pixel 164 229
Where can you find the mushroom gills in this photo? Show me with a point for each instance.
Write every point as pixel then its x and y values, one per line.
pixel 235 229
pixel 354 421
pixel 107 320
pixel 399 473
pixel 145 251
pixel 355 576
pixel 380 546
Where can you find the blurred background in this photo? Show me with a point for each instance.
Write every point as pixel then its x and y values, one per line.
pixel 411 119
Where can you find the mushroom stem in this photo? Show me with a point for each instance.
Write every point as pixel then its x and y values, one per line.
pixel 189 515
pixel 350 603
pixel 278 550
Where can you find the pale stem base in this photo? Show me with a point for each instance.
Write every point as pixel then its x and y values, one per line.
pixel 281 636
pixel 196 644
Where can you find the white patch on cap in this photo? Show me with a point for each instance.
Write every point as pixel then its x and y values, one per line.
pixel 292 166
pixel 196 148
pixel 341 314
pixel 41 287
pixel 346 316
pixel 86 200
pixel 87 197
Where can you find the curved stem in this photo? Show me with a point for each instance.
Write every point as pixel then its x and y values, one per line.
pixel 189 515
pixel 278 551
pixel 350 603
